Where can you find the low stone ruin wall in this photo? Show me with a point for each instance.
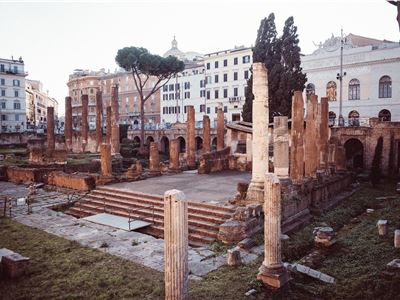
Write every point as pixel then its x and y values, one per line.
pixel 216 161
pixel 76 181
pixel 28 175
pixel 77 142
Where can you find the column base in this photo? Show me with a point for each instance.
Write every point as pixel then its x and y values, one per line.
pixel 274 278
pixel 255 192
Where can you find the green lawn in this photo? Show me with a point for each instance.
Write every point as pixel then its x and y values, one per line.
pixel 61 269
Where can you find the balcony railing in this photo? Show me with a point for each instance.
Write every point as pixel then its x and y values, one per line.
pixel 235 99
pixel 350 122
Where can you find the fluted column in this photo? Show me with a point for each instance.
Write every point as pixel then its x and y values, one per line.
pixel 106 162
pixel 311 157
pixel 176 268
pixel 297 135
pixel 174 154
pixel 51 142
pixel 220 128
pixel 281 147
pixel 114 121
pixel 68 123
pixel 260 113
pixel 272 271
pixel 85 125
pixel 108 125
pixel 190 137
pixel 206 134
pixel 99 116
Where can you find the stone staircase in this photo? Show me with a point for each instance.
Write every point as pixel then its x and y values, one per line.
pixel 203 218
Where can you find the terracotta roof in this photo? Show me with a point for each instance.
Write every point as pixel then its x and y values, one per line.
pixel 360 41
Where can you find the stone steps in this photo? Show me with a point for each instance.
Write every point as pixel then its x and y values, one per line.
pixel 203 218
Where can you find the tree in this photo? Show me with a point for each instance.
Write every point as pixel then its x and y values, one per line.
pixel 281 56
pixel 143 65
pixel 375 175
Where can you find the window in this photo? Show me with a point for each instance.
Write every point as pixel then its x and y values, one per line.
pixel 225 93
pixel 246 74
pixel 385 87
pixel 202 108
pixel 225 77
pixel 187 95
pixel 216 64
pixel 354 89
pixel 246 59
pixel 310 89
pixel 15 69
pixel 202 83
pixel 16 117
pixel 171 87
pixel 171 97
pixel 332 117
pixel 202 93
pixel 331 91
pixel 225 62
pixel 177 95
pixel 208 79
pixel 216 109
pixel 165 97
pixel 187 85
pixel 16 82
pixel 208 95
pixel 2 68
pixel 208 110
pixel 208 66
pixel 235 75
pixel 216 78
pixel 4 117
pixel 235 92
pixel 16 93
pixel 3 92
pixel 165 88
pixel 185 109
pixel 177 86
pixel 2 81
pixel 3 105
pixel 216 94
pixel 225 109
pixel 17 105
pixel 235 61
pixel 385 115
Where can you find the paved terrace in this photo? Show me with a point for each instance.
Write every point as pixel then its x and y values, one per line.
pixel 215 188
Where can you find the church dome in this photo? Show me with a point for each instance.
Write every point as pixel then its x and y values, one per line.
pixel 174 51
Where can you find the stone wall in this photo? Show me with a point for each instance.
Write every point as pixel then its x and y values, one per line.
pixel 214 161
pixel 76 181
pixel 28 175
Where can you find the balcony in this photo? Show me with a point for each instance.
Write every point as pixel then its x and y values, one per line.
pixel 11 72
pixel 235 99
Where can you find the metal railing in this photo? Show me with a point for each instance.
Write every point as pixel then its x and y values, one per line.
pixel 350 122
pixel 6 205
pixel 131 211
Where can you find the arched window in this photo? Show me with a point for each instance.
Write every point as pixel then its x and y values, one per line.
pixel 310 89
pixel 385 115
pixel 332 118
pixel 354 89
pixel 385 87
pixel 354 118
pixel 331 91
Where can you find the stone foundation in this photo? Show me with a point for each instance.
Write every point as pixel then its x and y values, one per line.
pixel 77 181
pixel 214 161
pixel 28 175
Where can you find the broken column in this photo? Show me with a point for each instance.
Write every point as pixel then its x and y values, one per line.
pixel 68 123
pixel 272 272
pixel 108 124
pixel 99 116
pixel 310 146
pixel 154 160
pixel 323 134
pixel 297 135
pixel 220 128
pixel 176 233
pixel 106 161
pixel 340 158
pixel 114 121
pixel 174 154
pixel 84 124
pixel 382 227
pixel 281 147
pixel 190 136
pixel 260 114
pixel 324 236
pixel 206 134
pixel 51 142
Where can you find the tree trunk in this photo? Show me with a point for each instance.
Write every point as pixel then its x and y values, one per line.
pixel 141 149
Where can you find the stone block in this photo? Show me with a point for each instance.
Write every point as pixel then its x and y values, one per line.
pixel 397 238
pixel 233 257
pixel 382 227
pixel 14 265
pixel 77 181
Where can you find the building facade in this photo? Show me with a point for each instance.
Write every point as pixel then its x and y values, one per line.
pixel 371 81
pixel 12 95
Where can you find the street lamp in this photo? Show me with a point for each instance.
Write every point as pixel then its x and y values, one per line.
pixel 340 76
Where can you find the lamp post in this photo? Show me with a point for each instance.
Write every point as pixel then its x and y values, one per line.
pixel 340 77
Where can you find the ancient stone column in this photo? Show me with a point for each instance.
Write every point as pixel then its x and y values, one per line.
pixel 340 158
pixel 106 161
pixel 68 123
pixel 174 154
pixel 260 113
pixel 310 140
pixel 281 147
pixel 297 135
pixel 176 233
pixel 85 125
pixel 272 272
pixel 108 124
pixel 206 134
pixel 154 160
pixel 114 121
pixel 324 134
pixel 99 116
pixel 51 142
pixel 220 128
pixel 190 136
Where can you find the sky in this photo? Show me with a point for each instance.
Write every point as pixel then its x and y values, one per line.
pixel 56 37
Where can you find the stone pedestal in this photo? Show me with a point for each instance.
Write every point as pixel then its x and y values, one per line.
pixel 84 122
pixel 220 128
pixel 154 160
pixel 176 233
pixel 297 135
pixel 281 147
pixel 272 272
pixel 206 134
pixel 174 155
pixel 51 142
pixel 108 125
pixel 190 137
pixel 397 238
pixel 310 145
pixel 260 113
pixel 106 162
pixel 99 116
pixel 114 121
pixel 68 123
